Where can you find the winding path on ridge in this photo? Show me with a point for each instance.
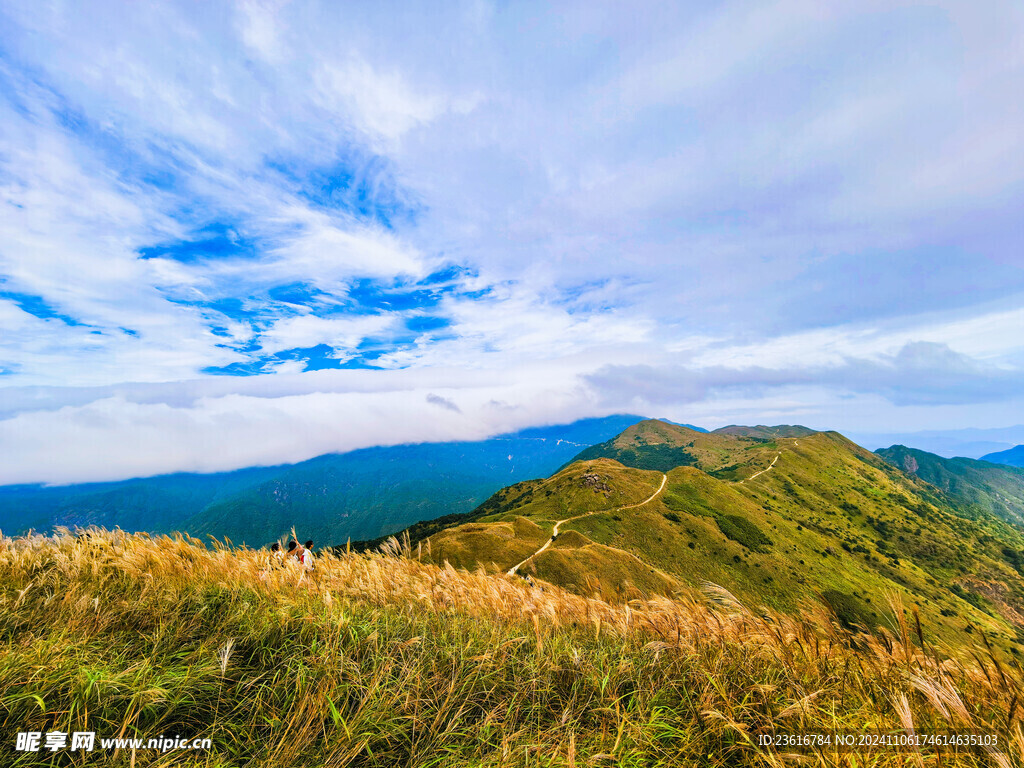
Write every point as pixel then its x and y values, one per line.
pixel 741 482
pixel 664 479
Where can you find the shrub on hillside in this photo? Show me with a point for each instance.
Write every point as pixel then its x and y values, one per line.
pixel 657 457
pixel 673 501
pixel 741 530
pixel 848 609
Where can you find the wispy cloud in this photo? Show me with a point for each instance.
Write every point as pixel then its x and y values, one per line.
pixel 383 105
pixel 921 373
pixel 443 402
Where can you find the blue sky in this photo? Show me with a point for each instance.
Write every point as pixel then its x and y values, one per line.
pixel 254 232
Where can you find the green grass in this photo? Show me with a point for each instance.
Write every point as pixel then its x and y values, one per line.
pixel 384 661
pixel 851 612
pixel 515 522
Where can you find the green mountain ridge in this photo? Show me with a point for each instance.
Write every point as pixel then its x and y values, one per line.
pixel 992 489
pixel 768 433
pixel 775 521
pixel 156 504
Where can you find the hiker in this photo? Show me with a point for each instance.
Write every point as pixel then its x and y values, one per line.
pixel 294 552
pixel 306 558
pixel 274 561
pixel 276 556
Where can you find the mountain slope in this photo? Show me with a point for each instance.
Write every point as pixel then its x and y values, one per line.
pixel 776 522
pixel 155 504
pixel 993 488
pixel 653 444
pixel 1013 456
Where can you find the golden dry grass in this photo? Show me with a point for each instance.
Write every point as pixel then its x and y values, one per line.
pixel 382 660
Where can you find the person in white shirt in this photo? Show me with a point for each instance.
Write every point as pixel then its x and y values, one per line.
pixel 306 558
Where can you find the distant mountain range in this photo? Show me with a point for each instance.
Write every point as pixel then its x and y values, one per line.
pixel 1013 457
pixel 970 443
pixel 980 487
pixel 331 498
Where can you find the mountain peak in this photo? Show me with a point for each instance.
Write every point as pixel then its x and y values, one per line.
pixel 659 430
pixel 766 432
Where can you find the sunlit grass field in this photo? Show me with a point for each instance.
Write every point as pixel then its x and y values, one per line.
pixel 381 660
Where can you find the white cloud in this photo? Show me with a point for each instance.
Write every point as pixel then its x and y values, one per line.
pixel 382 104
pixel 326 254
pixel 260 24
pixel 343 333
pixel 992 335
pixel 717 48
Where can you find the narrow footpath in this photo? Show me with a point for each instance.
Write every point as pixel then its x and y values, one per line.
pixel 741 482
pixel 664 479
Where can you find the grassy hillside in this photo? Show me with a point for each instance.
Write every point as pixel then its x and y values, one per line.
pixel 499 537
pixel 662 446
pixel 775 521
pixel 386 661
